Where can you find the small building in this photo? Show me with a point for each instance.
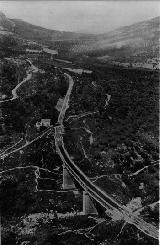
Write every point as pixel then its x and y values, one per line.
pixel 33 51
pixel 43 123
pixel 50 53
pixel 2 96
pixel 46 122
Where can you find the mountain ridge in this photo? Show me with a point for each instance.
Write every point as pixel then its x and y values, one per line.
pixel 126 40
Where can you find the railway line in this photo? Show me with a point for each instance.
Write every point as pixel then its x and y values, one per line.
pixel 112 207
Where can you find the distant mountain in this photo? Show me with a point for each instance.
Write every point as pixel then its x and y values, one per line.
pixel 120 43
pixel 16 32
pixel 37 33
pixel 140 38
pixel 138 30
pixel 5 23
pixel 142 35
pixel 40 34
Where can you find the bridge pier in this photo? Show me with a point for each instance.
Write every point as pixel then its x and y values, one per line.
pixel 67 180
pixel 88 206
pixel 68 184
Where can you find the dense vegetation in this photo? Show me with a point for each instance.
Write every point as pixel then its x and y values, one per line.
pixel 125 140
pixel 11 73
pixel 125 133
pixel 117 147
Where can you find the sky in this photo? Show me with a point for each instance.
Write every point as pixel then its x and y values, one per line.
pixel 81 16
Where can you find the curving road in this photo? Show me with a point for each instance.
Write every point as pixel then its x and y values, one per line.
pixel 113 208
pixel 27 78
pixel 65 105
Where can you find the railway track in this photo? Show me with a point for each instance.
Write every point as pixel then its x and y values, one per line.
pixel 112 207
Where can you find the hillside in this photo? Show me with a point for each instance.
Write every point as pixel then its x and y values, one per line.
pixel 130 40
pixel 37 33
pixel 142 34
pixel 15 33
pixel 130 44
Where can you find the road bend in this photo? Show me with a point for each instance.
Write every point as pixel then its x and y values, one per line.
pixel 109 203
pixel 33 69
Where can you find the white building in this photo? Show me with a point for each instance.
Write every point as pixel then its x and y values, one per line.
pixel 44 122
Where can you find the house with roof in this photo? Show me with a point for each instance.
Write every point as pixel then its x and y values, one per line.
pixel 45 122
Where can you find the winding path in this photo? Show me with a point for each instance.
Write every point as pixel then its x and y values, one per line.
pixel 27 78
